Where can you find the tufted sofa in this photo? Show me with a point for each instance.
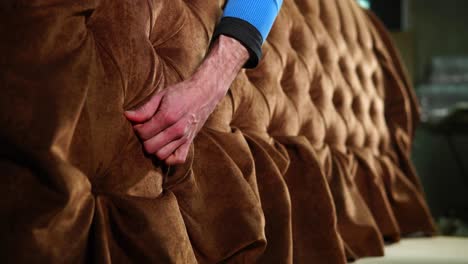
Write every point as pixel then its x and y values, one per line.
pixel 306 160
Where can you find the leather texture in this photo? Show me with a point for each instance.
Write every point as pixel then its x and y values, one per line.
pixel 306 160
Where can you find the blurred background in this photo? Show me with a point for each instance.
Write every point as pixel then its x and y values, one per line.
pixel 432 36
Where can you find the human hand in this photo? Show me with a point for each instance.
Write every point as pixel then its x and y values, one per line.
pixel 170 120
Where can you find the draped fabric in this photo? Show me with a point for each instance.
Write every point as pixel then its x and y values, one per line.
pixel 306 160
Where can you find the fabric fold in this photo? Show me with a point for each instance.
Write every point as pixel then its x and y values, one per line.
pixel 306 160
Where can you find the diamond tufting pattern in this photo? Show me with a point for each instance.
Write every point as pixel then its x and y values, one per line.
pixel 306 160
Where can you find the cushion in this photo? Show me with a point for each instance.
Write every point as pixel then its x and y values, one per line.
pixel 306 160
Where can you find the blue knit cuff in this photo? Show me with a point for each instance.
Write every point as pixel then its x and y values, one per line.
pixel 245 33
pixel 259 13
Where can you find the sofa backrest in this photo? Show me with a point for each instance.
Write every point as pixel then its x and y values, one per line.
pixel 305 160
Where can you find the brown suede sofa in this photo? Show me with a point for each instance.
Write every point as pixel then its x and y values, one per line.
pixel 306 160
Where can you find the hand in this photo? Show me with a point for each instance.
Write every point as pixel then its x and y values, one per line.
pixel 170 120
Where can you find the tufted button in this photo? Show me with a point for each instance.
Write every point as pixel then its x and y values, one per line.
pixel 383 144
pixel 316 92
pixel 360 73
pixel 367 141
pixel 344 67
pixel 377 83
pixel 373 111
pixel 356 105
pixel 323 54
pixel 350 141
pixel 375 79
pixel 338 98
pixel 295 41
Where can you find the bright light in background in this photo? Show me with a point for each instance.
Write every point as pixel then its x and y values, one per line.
pixel 364 3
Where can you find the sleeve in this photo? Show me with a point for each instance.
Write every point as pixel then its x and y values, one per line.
pixel 249 21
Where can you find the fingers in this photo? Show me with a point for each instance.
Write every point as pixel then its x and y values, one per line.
pixel 168 122
pixel 170 148
pixel 157 124
pixel 147 110
pixel 177 131
pixel 180 155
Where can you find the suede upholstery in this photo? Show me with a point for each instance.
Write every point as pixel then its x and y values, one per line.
pixel 306 160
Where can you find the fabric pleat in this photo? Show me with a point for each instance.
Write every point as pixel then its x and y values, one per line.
pixel 306 159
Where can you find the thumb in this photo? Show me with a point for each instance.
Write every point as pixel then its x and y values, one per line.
pixel 145 111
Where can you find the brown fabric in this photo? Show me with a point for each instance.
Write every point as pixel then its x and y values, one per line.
pixel 306 160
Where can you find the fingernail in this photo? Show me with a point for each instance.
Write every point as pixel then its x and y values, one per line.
pixel 129 112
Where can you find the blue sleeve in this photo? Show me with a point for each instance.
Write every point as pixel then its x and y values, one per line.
pixel 248 21
pixel 259 13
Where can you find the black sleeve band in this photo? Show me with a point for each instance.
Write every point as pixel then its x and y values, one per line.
pixel 245 33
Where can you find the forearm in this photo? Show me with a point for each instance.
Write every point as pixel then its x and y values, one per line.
pixel 170 120
pixel 221 66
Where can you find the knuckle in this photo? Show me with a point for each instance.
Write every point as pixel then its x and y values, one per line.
pixel 155 120
pixel 170 118
pixel 185 138
pixel 180 130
